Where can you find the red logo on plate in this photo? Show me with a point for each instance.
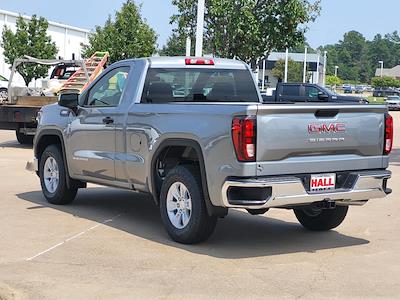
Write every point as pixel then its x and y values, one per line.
pixel 322 182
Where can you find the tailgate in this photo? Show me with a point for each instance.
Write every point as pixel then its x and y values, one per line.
pixel 297 139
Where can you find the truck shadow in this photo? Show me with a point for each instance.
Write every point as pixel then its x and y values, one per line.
pixel 14 144
pixel 240 235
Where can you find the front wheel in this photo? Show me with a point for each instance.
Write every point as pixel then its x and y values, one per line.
pixel 53 177
pixel 182 207
pixel 321 219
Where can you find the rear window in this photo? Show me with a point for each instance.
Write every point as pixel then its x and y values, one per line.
pixel 198 85
pixel 290 90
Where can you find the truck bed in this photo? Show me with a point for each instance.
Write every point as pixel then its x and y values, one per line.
pixel 23 113
pixel 33 101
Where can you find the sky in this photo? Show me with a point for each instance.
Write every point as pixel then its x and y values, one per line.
pixel 337 17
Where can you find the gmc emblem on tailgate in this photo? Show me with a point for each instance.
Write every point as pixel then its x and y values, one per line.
pixel 316 128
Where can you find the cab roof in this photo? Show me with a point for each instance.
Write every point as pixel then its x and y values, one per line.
pixel 180 62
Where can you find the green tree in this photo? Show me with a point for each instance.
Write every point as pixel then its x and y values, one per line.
pixel 30 39
pixel 176 46
pixel 295 71
pixel 383 48
pixel 247 29
pixel 358 58
pixel 300 48
pixel 333 80
pixel 125 36
pixel 350 55
pixel 385 82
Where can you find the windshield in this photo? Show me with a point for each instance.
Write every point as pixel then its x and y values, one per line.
pixel 199 85
pixel 327 91
pixel 3 78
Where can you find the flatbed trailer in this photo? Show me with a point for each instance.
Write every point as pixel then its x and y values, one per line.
pixel 19 113
pixel 21 116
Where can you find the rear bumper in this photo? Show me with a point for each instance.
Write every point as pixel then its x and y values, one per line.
pixel 290 191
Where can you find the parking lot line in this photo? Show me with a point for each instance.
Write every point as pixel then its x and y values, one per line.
pixel 73 237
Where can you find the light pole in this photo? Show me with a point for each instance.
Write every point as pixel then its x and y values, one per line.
pixel 286 64
pixel 305 66
pixel 263 75
pixel 336 69
pixel 188 46
pixel 318 67
pixel 324 72
pixel 200 28
pixel 381 63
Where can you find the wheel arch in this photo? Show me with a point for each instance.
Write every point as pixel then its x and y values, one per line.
pixel 183 142
pixel 47 137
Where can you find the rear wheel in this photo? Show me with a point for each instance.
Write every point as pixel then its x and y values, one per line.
pixel 53 177
pixel 182 207
pixel 24 139
pixel 317 219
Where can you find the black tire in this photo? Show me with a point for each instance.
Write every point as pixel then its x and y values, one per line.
pixel 200 225
pixel 62 194
pixel 24 139
pixel 323 220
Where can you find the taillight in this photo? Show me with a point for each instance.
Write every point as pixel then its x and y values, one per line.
pixel 388 134
pixel 244 136
pixel 199 61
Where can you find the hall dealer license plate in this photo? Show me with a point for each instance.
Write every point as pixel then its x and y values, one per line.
pixel 320 182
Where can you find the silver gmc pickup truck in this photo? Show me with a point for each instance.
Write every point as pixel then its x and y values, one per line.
pixel 194 133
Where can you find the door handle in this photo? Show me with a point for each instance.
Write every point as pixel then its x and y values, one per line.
pixel 108 120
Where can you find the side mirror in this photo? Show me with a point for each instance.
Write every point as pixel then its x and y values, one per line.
pixel 70 101
pixel 323 97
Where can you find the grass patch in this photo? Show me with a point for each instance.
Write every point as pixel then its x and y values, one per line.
pixel 376 100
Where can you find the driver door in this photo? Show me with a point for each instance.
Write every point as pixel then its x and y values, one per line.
pixel 91 135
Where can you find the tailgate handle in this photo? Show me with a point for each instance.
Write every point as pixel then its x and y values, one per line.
pixel 326 113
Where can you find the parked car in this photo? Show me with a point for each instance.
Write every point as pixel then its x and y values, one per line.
pixel 3 88
pixel 347 89
pixel 214 148
pixel 393 102
pixel 359 89
pixel 307 92
pixel 385 92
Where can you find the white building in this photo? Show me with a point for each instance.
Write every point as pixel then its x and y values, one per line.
pixel 68 38
pixel 315 66
pixel 392 72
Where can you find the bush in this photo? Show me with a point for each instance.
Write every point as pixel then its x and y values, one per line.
pixel 333 80
pixel 385 82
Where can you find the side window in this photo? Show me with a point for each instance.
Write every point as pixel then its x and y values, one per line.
pixel 107 92
pixel 290 90
pixel 312 92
